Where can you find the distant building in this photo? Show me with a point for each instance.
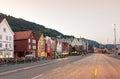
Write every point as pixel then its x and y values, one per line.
pixel 49 47
pixel 6 40
pixel 54 47
pixel 65 46
pixel 25 44
pixel 59 47
pixel 85 45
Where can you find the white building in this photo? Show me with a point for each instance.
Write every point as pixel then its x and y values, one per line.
pixel 85 45
pixel 6 40
pixel 80 42
pixel 59 46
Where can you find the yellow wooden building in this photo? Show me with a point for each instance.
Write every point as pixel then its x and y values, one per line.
pixel 41 46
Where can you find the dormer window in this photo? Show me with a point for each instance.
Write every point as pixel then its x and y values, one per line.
pixel 4 29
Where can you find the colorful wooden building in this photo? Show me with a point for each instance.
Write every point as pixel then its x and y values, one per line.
pixel 25 44
pixel 49 47
pixel 54 47
pixel 59 47
pixel 41 46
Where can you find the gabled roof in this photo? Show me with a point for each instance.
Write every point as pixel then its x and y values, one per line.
pixel 22 35
pixel 76 42
pixel 6 22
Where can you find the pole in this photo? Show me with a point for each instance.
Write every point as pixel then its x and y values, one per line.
pixel 115 39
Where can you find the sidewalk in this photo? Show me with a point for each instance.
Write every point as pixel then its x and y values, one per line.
pixel 7 67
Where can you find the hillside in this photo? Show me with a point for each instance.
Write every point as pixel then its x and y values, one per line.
pixel 18 24
pixel 94 43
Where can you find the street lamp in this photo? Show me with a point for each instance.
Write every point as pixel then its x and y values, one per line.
pixel 115 38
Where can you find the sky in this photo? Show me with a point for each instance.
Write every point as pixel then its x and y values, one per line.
pixel 91 19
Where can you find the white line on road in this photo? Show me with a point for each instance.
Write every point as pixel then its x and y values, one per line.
pixel 7 72
pixel 37 76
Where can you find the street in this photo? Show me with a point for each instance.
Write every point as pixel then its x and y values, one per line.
pixel 94 66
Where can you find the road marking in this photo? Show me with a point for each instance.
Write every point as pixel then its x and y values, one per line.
pixel 7 72
pixel 95 73
pixel 37 76
pixel 96 67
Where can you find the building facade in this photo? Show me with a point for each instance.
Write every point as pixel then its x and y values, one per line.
pixel 41 46
pixel 25 44
pixel 49 47
pixel 6 40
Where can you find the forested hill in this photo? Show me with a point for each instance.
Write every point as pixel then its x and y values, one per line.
pixel 18 24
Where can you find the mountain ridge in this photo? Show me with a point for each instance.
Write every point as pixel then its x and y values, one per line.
pixel 19 24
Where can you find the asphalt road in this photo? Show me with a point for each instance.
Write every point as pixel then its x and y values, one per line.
pixel 95 66
pixel 34 70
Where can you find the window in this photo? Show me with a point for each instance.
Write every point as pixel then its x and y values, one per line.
pixel 33 41
pixel 10 38
pixel 29 40
pixel 1 53
pixel 0 37
pixel 41 42
pixel 10 46
pixel 34 47
pixel 29 47
pixel 4 29
pixel 6 45
pixel 0 45
pixel 6 37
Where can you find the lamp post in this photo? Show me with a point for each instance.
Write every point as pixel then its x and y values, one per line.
pixel 115 39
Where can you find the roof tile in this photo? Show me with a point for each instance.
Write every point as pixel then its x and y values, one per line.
pixel 22 35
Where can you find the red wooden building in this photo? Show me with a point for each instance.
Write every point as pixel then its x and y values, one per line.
pixel 25 43
pixel 65 47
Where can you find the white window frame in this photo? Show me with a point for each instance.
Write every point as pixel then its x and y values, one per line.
pixel 33 47
pixel 34 41
pixel 29 40
pixel 29 47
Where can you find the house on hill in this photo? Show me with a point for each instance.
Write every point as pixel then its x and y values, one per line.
pixel 6 40
pixel 25 44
